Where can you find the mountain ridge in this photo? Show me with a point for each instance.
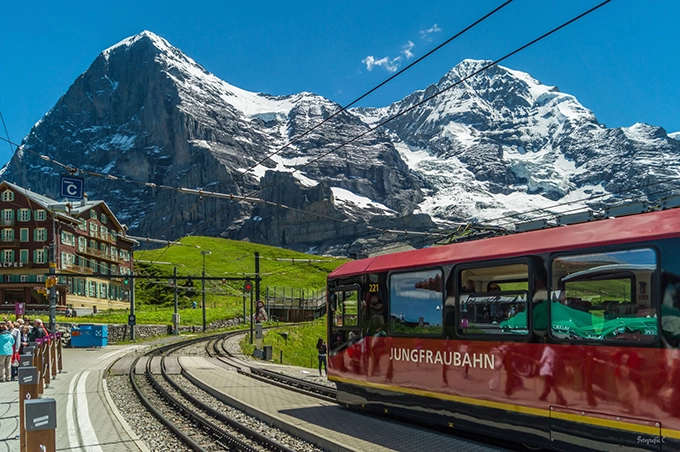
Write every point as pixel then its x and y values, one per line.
pixel 486 148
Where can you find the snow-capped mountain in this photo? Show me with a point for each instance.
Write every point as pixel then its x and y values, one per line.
pixel 497 143
pixel 501 142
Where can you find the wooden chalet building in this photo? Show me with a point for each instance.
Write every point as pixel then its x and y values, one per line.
pixel 89 243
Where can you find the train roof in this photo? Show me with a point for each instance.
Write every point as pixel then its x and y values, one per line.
pixel 610 231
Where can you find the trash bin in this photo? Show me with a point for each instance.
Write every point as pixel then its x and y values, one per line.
pixel 268 352
pixel 100 335
pixel 81 336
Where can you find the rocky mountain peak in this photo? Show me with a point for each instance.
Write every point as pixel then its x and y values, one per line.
pixel 496 144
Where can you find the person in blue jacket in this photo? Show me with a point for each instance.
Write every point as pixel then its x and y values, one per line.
pixel 6 351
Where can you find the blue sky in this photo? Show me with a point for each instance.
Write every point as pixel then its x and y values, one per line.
pixel 622 61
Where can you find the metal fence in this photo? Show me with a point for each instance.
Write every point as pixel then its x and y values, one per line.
pixel 294 298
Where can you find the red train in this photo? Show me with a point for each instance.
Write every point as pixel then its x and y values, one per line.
pixel 564 338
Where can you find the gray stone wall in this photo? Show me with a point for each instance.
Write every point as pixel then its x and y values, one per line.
pixel 118 333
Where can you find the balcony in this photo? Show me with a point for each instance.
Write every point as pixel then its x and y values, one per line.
pixel 104 236
pixel 79 269
pixel 108 238
pixel 100 254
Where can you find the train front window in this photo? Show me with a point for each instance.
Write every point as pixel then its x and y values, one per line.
pixel 416 303
pixel 604 296
pixel 493 300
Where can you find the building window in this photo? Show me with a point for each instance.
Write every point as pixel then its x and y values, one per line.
pixel 67 238
pixel 104 219
pixel 82 224
pixel 8 195
pixel 93 289
pixel 93 230
pixel 40 234
pixel 40 256
pixel 40 215
pixel 8 235
pixel 23 278
pixel 103 290
pixel 82 243
pixel 93 214
pixel 23 256
pixel 23 234
pixel 7 217
pixel 24 215
pixel 8 255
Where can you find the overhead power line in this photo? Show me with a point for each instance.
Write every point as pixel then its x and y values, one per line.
pixel 370 130
pixel 344 108
pixel 427 99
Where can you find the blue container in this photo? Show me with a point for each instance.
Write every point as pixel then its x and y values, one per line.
pixel 100 335
pixel 90 336
pixel 82 336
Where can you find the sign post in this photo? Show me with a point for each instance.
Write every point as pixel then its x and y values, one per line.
pixel 41 424
pixel 19 310
pixel 28 390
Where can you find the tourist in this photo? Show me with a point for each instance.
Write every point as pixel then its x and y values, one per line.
pixel 6 352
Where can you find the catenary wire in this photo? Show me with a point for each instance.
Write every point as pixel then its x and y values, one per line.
pixel 398 114
pixel 342 109
pixel 427 99
pixel 436 94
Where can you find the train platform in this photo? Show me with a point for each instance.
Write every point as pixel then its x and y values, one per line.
pixel 87 420
pixel 326 424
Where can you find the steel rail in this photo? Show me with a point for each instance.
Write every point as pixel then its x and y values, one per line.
pixel 275 378
pixel 157 414
pixel 256 436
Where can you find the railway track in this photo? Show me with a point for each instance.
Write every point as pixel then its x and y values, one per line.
pixel 198 419
pixel 215 348
pixel 202 418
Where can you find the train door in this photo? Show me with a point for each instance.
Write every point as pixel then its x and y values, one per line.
pixel 345 323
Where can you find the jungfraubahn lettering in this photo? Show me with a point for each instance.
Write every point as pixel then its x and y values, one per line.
pixel 447 358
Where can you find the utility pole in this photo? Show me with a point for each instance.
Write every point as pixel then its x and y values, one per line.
pixel 204 253
pixel 53 289
pixel 175 317
pixel 133 319
pixel 257 276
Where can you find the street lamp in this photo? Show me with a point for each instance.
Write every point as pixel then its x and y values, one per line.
pixel 204 253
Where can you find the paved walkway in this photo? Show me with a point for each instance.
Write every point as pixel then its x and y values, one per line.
pixel 85 420
pixel 330 426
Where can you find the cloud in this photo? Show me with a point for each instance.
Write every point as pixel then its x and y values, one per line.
pixel 426 33
pixel 406 50
pixel 390 65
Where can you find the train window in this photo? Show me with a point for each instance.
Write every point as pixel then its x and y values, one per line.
pixel 493 300
pixel 670 310
pixel 346 308
pixel 416 301
pixel 604 296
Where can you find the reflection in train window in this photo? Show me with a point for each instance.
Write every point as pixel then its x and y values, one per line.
pixel 493 300
pixel 604 296
pixel 416 302
pixel 345 308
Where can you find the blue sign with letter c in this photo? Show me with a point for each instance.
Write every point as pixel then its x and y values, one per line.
pixel 72 187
